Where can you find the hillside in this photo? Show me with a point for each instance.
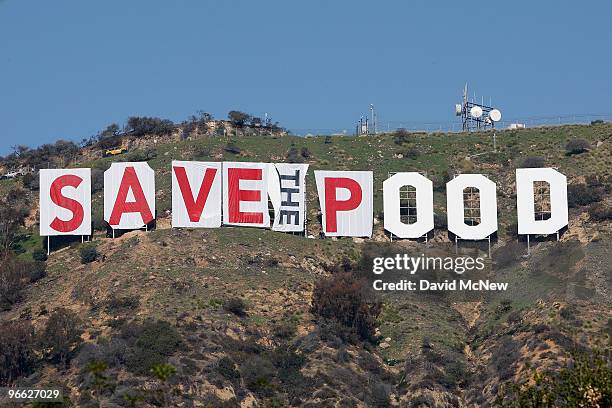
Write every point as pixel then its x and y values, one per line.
pixel 230 309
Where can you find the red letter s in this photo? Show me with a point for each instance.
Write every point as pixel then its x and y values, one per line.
pixel 68 180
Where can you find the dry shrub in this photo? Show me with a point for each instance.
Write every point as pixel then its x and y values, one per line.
pixel 580 194
pixel 15 274
pixel 235 306
pixel 348 300
pixel 61 334
pixel 600 212
pixel 16 351
pixel 577 146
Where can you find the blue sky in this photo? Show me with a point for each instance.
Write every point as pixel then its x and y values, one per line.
pixel 69 68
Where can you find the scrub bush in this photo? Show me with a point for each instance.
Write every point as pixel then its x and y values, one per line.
pixel 17 357
pixel 348 300
pixel 88 254
pixel 577 146
pixel 584 382
pixel 39 254
pixel 235 306
pixel 61 334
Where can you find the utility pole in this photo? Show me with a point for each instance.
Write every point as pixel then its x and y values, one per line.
pixel 494 137
pixel 373 117
pixel 494 141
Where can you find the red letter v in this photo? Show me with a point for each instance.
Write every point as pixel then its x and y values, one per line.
pixel 194 208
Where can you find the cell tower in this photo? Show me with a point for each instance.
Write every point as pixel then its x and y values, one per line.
pixel 365 127
pixel 476 116
pixel 362 127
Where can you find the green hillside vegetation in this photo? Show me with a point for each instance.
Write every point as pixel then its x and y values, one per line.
pixel 227 317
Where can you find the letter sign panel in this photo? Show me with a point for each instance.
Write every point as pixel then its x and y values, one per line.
pixel 525 201
pixel 129 195
pixel 65 202
pixel 346 202
pixel 287 191
pixel 245 194
pixel 455 207
pixel 424 205
pixel 196 194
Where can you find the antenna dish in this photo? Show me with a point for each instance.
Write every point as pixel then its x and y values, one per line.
pixel 458 109
pixel 476 112
pixel 495 115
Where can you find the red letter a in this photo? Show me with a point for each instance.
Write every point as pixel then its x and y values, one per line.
pixel 140 205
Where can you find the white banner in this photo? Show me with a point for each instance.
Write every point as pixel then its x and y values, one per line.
pixel 525 201
pixel 65 202
pixel 346 202
pixel 245 194
pixel 455 206
pixel 196 194
pixel 423 200
pixel 129 195
pixel 287 191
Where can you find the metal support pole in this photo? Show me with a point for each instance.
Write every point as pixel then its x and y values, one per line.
pixel 494 141
pixel 82 238
pixel 528 248
pixel 557 235
pixel 113 233
pixel 489 238
pixel 456 246
pixel 48 245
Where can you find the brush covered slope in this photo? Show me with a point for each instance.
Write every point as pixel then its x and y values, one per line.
pixel 240 317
